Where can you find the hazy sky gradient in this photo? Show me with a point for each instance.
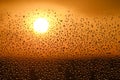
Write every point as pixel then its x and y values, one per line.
pixel 83 6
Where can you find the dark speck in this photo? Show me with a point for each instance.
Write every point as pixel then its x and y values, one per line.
pixel 108 53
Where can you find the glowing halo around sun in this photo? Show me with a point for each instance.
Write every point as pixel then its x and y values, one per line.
pixel 41 25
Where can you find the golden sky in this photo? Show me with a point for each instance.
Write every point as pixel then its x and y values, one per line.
pixel 83 6
pixel 73 32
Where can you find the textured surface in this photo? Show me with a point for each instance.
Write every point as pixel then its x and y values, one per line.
pixel 76 46
pixel 77 69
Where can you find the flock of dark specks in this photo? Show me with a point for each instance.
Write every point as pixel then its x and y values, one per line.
pixel 74 48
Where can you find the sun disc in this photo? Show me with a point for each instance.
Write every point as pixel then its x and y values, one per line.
pixel 41 25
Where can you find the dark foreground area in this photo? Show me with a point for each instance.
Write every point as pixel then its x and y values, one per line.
pixel 77 69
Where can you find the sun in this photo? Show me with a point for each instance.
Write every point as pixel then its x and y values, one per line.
pixel 41 25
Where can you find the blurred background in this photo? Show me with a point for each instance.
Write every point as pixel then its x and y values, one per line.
pixel 82 42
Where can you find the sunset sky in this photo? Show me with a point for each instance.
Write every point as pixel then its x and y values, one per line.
pixel 77 28
pixel 83 6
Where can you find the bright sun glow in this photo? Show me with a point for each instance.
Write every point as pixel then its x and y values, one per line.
pixel 41 25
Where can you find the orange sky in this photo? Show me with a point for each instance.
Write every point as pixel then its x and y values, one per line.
pixel 83 6
pixel 71 34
